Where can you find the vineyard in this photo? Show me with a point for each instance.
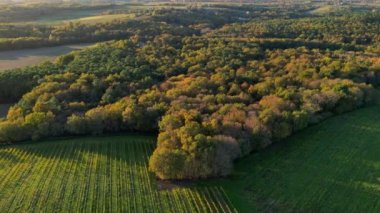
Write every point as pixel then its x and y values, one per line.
pixel 103 174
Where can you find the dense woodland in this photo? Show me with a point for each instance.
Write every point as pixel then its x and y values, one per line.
pixel 347 30
pixel 213 90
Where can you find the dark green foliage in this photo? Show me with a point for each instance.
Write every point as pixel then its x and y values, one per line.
pixel 354 29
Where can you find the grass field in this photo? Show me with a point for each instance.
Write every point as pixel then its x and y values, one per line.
pixel 330 167
pixel 67 15
pixel 94 174
pixel 102 18
pixel 100 15
pixel 23 58
pixel 323 10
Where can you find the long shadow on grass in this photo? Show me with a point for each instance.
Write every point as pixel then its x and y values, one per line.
pixel 7 156
pixel 78 148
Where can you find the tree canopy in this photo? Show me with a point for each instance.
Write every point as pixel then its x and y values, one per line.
pixel 212 97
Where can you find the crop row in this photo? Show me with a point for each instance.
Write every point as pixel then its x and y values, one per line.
pixel 100 175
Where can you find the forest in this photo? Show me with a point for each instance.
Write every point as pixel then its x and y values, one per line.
pixel 214 88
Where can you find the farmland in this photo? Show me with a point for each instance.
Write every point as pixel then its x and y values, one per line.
pixel 103 18
pixel 55 14
pixel 330 167
pixel 22 58
pixel 66 16
pixel 51 13
pixel 95 174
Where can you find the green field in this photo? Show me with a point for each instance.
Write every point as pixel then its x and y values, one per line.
pixel 23 58
pixel 67 15
pixel 93 15
pixel 62 15
pixel 102 18
pixel 330 167
pixel 323 10
pixel 95 174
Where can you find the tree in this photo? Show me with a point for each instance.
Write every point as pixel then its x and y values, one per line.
pixel 40 124
pixel 227 150
pixel 13 131
pixel 77 125
pixel 94 118
pixel 167 163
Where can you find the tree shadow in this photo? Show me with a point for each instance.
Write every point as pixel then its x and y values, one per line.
pixel 78 148
pixel 7 156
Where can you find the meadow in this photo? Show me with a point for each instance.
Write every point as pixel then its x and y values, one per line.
pixel 66 16
pixel 23 58
pixel 52 13
pixel 331 167
pixel 89 14
pixel 102 18
pixel 95 174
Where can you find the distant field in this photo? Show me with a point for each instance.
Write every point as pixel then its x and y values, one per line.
pixel 22 58
pixel 67 15
pixel 4 109
pixel 89 15
pixel 323 10
pixel 330 167
pixel 103 174
pixel 103 18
